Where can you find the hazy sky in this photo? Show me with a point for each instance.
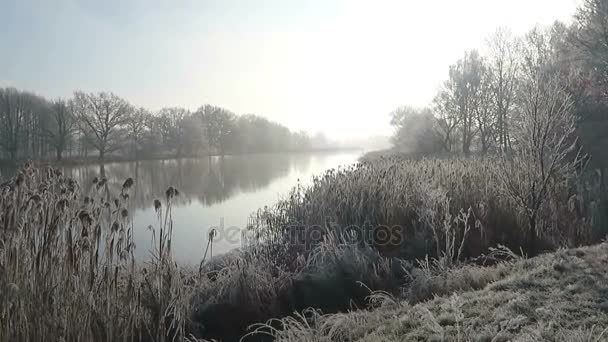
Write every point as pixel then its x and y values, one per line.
pixel 320 65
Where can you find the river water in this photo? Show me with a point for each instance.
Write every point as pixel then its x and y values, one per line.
pixel 215 192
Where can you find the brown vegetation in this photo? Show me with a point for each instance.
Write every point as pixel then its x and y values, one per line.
pixel 561 296
pixel 67 270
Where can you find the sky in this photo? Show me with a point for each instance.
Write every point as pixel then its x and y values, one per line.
pixel 333 66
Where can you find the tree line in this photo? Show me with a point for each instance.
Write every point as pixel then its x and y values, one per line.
pixel 538 104
pixel 98 124
pixel 519 83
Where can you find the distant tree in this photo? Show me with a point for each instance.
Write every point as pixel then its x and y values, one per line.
pixel 319 141
pixel 193 136
pixel 485 111
pixel 153 136
pixel 504 66
pixel 101 115
pixel 173 127
pixel 225 129
pixel 252 133
pixel 448 118
pixel 280 137
pixel 20 122
pixel 33 127
pixel 136 128
pixel 205 113
pixel 416 130
pixel 33 140
pixel 300 141
pixel 219 126
pixel 457 98
pixel 12 115
pixel 62 126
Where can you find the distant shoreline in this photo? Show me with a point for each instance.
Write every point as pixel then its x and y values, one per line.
pixel 117 159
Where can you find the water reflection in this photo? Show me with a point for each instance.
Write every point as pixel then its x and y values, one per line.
pixel 214 192
pixel 208 180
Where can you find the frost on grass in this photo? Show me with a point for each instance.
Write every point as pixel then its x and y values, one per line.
pixel 553 297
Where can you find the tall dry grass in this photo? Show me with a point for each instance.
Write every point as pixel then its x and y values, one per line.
pixel 68 271
pixel 67 267
pixel 447 211
pixel 437 205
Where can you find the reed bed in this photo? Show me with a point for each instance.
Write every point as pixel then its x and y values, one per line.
pixel 450 207
pixel 67 268
pixel 68 271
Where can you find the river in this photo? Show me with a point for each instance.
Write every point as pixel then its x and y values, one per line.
pixel 215 192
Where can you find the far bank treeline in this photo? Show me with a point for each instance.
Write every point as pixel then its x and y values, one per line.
pixel 100 124
pixel 490 93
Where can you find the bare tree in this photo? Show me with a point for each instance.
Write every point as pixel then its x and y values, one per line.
pixel 543 144
pixel 32 127
pixel 543 134
pixel 172 124
pixel 504 64
pixel 219 126
pixel 153 135
pixel 20 122
pixel 447 118
pixel 458 97
pixel 205 113
pixel 485 111
pixel 12 115
pixel 136 128
pixel 101 115
pixel 61 127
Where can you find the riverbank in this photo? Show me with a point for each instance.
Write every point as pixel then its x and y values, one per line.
pixel 561 296
pixel 394 154
pixel 378 154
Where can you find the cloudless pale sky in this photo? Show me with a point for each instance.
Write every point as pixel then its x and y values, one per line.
pixel 336 66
